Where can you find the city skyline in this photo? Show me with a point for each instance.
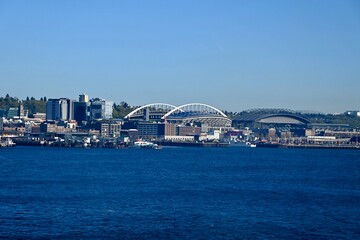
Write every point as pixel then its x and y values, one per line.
pixel 235 55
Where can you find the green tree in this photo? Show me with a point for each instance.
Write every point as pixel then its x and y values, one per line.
pixel 7 102
pixel 121 110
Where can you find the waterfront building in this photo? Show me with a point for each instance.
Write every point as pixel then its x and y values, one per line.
pixel 188 130
pixel 215 136
pixel 151 130
pixel 179 138
pixel 111 129
pixel 286 134
pixel 35 130
pixel 48 127
pixel 32 128
pixel 57 127
pixel 272 133
pixel 59 109
pixel 309 132
pixel 170 129
pixel 131 134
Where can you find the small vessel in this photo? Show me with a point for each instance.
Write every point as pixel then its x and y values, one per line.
pixel 249 144
pixel 143 144
pixel 6 143
pixel 157 147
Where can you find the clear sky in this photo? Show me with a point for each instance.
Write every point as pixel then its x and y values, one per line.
pixel 234 55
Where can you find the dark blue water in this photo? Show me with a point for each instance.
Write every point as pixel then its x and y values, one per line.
pixel 187 193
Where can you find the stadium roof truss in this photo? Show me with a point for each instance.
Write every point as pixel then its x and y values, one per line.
pixel 156 108
pixel 198 112
pixel 273 119
pixel 185 114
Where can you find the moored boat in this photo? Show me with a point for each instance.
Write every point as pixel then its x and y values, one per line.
pixel 145 144
pixel 6 143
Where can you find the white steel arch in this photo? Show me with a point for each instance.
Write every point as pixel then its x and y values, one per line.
pixel 164 106
pixel 198 107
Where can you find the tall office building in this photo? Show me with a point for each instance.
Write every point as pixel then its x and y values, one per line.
pixel 81 111
pixel 101 109
pixel 83 98
pixel 59 109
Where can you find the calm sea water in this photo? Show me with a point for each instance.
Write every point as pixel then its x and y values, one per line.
pixel 187 193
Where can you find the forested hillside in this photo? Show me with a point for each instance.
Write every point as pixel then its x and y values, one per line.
pixel 31 104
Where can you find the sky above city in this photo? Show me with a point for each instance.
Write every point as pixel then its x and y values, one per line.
pixel 234 55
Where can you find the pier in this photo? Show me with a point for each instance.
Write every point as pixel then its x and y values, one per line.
pixel 313 146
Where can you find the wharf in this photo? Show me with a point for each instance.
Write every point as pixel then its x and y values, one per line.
pixel 21 142
pixel 322 146
pixel 313 146
pixel 193 144
pixel 6 143
pixel 49 143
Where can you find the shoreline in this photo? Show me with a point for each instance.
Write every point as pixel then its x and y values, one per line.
pixel 308 146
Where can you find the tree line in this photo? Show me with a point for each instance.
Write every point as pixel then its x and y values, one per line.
pixel 31 104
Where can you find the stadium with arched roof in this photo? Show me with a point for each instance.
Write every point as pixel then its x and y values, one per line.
pixel 157 120
pixel 281 118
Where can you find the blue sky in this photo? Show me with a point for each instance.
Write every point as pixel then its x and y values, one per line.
pixel 235 55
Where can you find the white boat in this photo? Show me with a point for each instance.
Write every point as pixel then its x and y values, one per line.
pixel 157 147
pixel 145 144
pixel 249 144
pixel 141 143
